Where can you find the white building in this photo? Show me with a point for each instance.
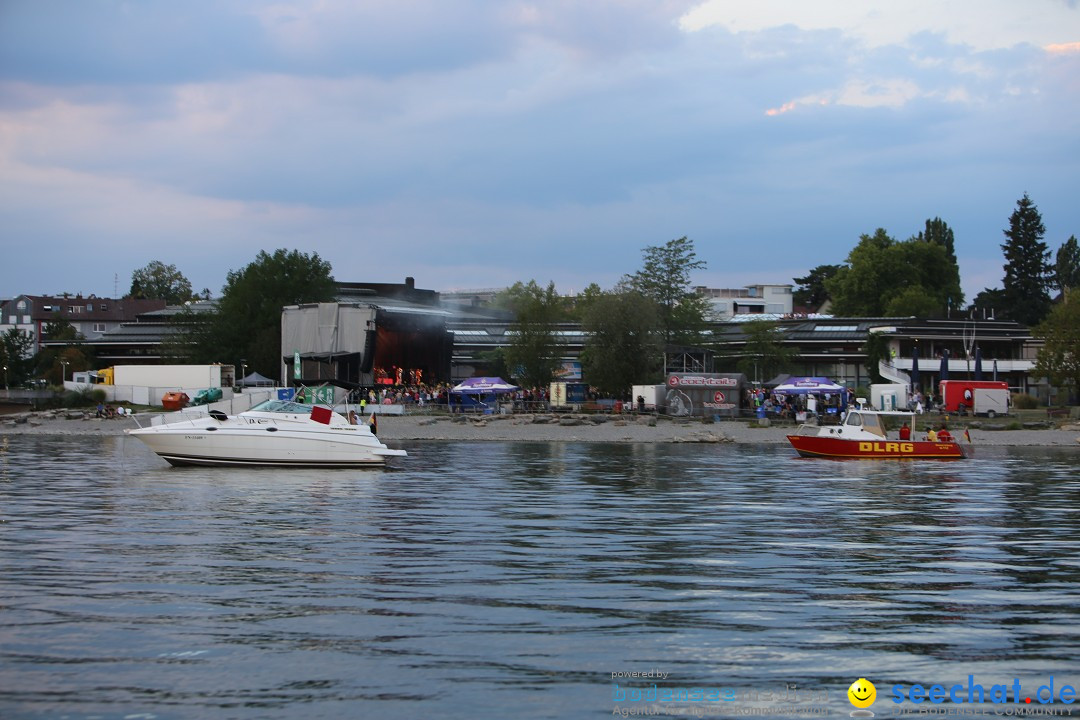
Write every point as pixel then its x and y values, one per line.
pixel 749 300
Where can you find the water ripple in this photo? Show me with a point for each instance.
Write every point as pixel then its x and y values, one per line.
pixel 492 580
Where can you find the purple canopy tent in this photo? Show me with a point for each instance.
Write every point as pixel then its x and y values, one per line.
pixel 808 385
pixel 476 393
pixel 814 386
pixel 483 386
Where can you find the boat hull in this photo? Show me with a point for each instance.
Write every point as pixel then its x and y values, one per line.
pixel 266 444
pixel 833 447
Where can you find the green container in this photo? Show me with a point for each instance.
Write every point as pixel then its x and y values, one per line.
pixel 207 396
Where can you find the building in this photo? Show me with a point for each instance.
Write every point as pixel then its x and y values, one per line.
pixel 385 333
pixel 91 317
pixel 836 348
pixel 770 300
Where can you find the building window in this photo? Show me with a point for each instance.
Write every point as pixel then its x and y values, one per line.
pixel 22 305
pixel 104 307
pixel 99 327
pixel 89 307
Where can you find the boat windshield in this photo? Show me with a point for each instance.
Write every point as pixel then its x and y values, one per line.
pixel 282 406
pixel 866 421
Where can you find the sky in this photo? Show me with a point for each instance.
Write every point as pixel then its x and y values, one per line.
pixel 475 143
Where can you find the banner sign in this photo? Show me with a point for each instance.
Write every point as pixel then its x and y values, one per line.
pixel 703 394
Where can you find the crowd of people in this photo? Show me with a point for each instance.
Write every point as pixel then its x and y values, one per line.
pixel 108 411
pixel 766 403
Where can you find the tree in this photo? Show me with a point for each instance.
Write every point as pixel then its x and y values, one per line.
pixel 624 345
pixel 1027 265
pixel 912 301
pixel 665 279
pixel 937 231
pixel 811 292
pixel 161 282
pixel 495 362
pixel 535 351
pixel 57 330
pixel 764 354
pixel 247 321
pixel 15 347
pixel 583 300
pixel 1059 357
pixel 876 349
pixel 1067 265
pixel 992 299
pixel 881 274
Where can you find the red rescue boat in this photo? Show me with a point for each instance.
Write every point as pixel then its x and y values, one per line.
pixel 862 435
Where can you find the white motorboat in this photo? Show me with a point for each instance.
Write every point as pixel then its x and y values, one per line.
pixel 273 433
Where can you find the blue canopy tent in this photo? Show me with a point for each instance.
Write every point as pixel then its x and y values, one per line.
pixel 479 393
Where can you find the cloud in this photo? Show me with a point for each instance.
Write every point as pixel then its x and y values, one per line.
pixel 501 141
pixel 979 24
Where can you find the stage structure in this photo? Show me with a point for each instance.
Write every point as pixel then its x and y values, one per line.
pixel 365 343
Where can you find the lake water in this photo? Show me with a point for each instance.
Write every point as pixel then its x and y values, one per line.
pixel 502 580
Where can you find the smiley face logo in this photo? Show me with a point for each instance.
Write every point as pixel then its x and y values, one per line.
pixel 862 693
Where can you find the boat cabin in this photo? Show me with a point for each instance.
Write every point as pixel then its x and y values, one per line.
pixel 866 422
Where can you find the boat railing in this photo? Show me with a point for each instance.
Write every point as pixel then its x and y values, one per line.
pixel 162 418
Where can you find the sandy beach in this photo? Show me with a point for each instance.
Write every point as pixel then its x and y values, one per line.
pixel 538 428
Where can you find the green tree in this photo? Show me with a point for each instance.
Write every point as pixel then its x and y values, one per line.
pixel 15 347
pixel 876 349
pixel 535 351
pixel 665 279
pixel 624 345
pixel 57 330
pixel 938 231
pixel 1059 357
pixel 1027 265
pixel 247 320
pixel 912 301
pixel 1067 265
pixel 764 354
pixel 992 299
pixel 882 274
pixel 584 299
pixel 810 291
pixel 159 281
pixel 495 362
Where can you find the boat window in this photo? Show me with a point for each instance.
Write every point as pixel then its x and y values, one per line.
pixel 271 429
pixel 854 419
pixel 281 406
pixel 211 428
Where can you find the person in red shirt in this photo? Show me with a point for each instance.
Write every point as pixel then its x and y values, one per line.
pixel 905 432
pixel 943 435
